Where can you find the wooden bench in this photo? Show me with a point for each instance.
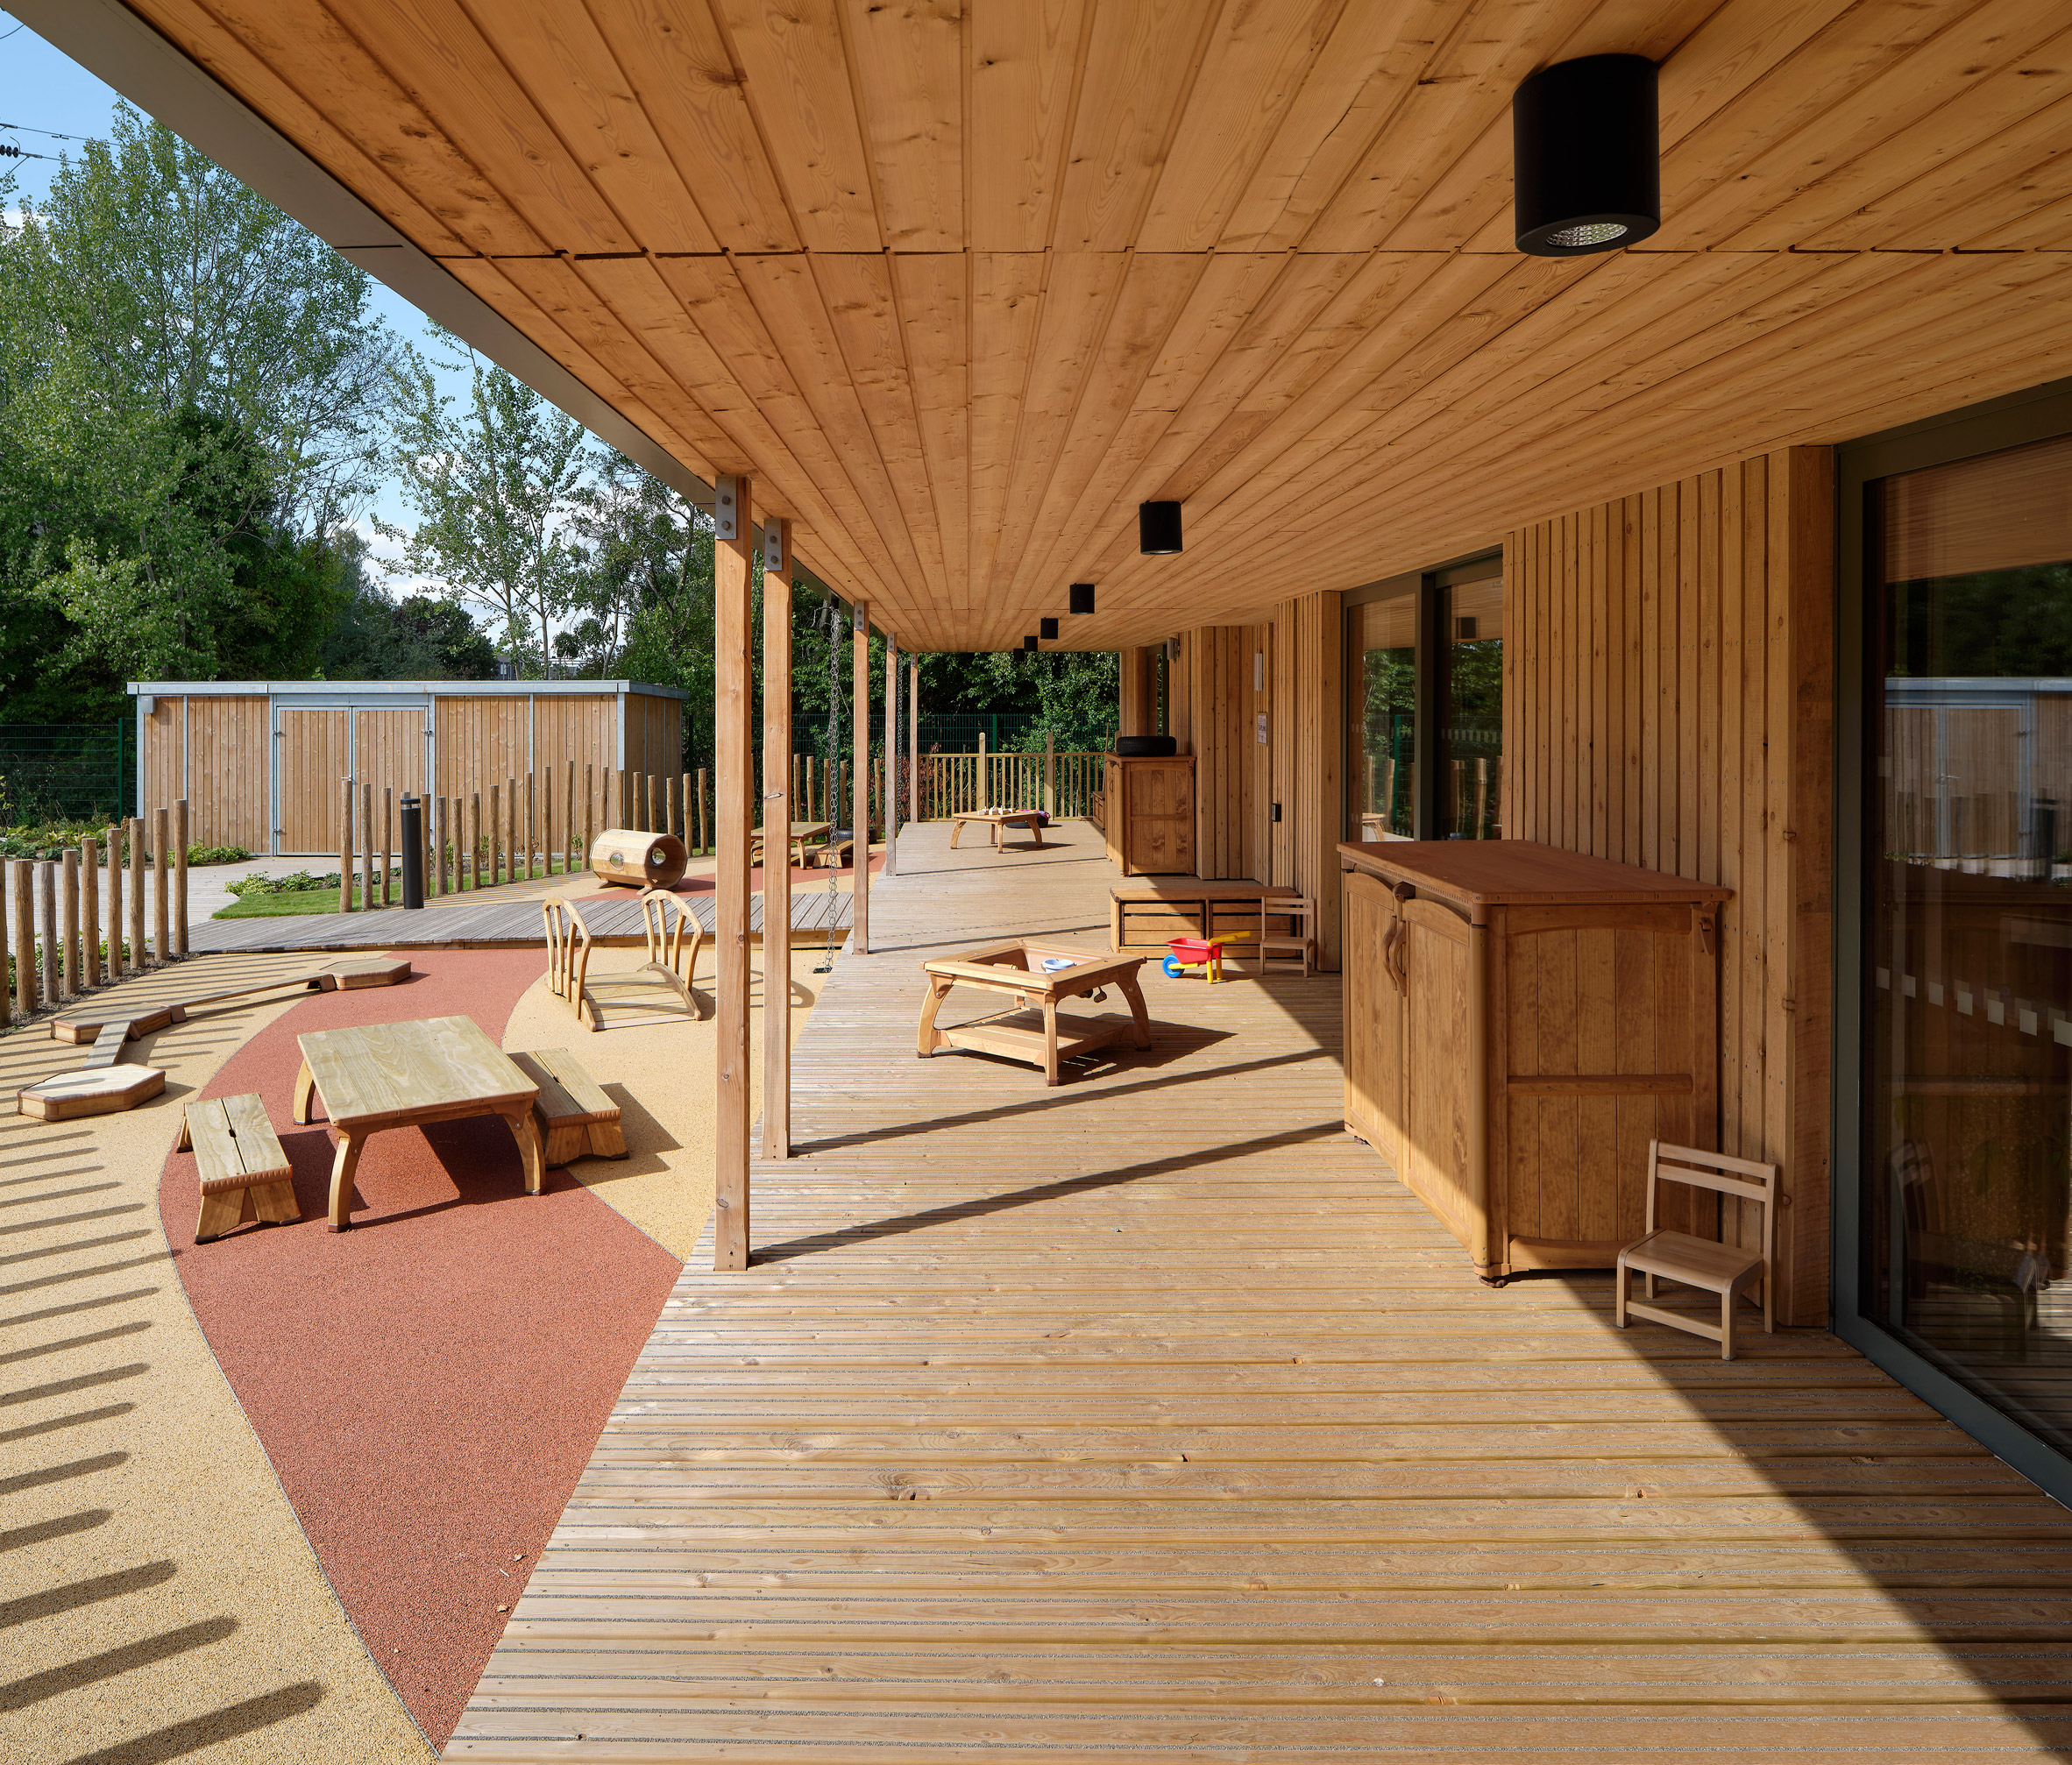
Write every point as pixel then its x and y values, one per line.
pixel 576 1118
pixel 1183 906
pixel 244 1175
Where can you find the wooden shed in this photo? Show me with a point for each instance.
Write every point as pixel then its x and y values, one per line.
pixel 259 761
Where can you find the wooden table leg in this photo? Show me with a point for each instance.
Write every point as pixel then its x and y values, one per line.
pixel 1036 827
pixel 1050 1041
pixel 1134 993
pixel 526 1131
pixel 344 1163
pixel 956 827
pixel 928 1041
pixel 1115 923
pixel 305 1088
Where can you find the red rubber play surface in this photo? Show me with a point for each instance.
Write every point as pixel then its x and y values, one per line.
pixel 429 1385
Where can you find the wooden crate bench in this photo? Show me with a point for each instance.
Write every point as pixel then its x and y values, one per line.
pixel 577 1120
pixel 244 1175
pixel 1182 907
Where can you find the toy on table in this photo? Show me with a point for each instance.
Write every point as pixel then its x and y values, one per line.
pixel 1205 953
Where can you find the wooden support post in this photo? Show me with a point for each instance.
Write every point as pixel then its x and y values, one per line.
pixel 568 833
pixel 6 992
pixel 161 886
pixel 890 796
pixel 434 878
pixel 366 846
pixel 705 821
pixel 532 814
pixel 984 798
pixel 346 846
pixel 496 834
pixel 68 909
pixel 180 876
pixel 913 740
pixel 1050 775
pixel 589 808
pixel 89 907
pixel 511 828
pixel 387 838
pixel 24 939
pixel 777 815
pixel 733 700
pixel 685 812
pixel 46 905
pixel 860 807
pixel 136 947
pixel 115 902
pixel 474 879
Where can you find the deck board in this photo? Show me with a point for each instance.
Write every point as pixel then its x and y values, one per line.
pixel 1150 1419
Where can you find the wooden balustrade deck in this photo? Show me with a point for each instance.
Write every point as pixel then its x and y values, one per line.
pixel 1150 1419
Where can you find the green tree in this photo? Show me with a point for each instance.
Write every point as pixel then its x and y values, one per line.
pixel 496 488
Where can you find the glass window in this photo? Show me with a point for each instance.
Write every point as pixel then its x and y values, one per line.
pixel 1383 677
pixel 1968 966
pixel 1474 779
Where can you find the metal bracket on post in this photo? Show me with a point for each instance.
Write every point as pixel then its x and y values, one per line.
pixel 773 547
pixel 725 509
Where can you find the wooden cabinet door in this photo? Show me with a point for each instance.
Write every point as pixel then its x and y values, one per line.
pixel 1374 1019
pixel 1437 1021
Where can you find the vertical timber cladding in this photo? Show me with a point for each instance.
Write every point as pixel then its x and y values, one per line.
pixel 388 754
pixel 583 727
pixel 315 753
pixel 163 758
pixel 1306 671
pixel 227 766
pixel 1668 702
pixel 1224 677
pixel 483 739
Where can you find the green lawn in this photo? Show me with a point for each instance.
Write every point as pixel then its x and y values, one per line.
pixel 325 900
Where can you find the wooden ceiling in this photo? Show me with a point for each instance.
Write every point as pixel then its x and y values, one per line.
pixel 960 282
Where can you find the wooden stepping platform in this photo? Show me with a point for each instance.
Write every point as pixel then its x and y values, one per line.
pixel 96 1025
pixel 96 1091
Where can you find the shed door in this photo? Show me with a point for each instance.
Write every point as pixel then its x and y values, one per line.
pixel 389 752
pixel 316 754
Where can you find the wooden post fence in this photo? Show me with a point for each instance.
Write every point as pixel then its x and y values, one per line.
pixel 161 886
pixel 24 940
pixel 136 946
pixel 532 812
pixel 589 808
pixel 180 876
pixel 6 992
pixel 89 911
pixel 47 903
pixel 115 902
pixel 68 906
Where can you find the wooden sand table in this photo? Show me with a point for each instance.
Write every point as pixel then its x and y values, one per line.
pixel 403 1075
pixel 804 834
pixel 1033 1033
pixel 996 820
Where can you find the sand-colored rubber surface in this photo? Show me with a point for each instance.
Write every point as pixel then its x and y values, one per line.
pixel 428 1385
pixel 662 1070
pixel 156 1596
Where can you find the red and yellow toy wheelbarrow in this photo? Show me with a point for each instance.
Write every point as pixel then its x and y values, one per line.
pixel 1205 953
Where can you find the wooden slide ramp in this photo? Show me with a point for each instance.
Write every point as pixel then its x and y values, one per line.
pixel 1150 1419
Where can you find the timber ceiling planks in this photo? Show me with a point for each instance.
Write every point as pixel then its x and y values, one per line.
pixel 960 282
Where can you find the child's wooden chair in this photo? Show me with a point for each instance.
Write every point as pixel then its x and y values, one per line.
pixel 1727 1270
pixel 1296 949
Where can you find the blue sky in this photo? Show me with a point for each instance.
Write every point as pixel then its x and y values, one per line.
pixel 43 90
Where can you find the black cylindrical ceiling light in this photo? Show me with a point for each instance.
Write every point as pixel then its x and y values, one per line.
pixel 1083 597
pixel 1587 156
pixel 1157 528
pixel 1029 644
pixel 1047 628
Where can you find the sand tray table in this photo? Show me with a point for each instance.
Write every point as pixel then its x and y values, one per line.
pixel 1039 977
pixel 995 819
pixel 804 834
pixel 403 1075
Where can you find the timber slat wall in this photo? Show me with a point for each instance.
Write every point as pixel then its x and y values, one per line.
pixel 1668 702
pixel 1150 1419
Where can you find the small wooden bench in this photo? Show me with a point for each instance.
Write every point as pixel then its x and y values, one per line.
pixel 576 1118
pixel 1183 905
pixel 244 1175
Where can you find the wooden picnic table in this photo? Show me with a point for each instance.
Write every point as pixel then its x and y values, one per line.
pixel 403 1075
pixel 1033 1032
pixel 996 820
pixel 802 834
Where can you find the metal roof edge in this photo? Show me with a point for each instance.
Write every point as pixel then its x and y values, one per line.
pixel 414 689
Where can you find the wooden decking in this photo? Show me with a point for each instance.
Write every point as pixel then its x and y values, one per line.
pixel 817 915
pixel 1151 1419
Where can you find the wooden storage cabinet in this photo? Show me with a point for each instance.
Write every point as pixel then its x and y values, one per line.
pixel 1148 814
pixel 1520 1023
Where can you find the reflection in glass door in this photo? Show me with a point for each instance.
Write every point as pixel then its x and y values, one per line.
pixel 1383 676
pixel 1966 1162
pixel 1474 709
